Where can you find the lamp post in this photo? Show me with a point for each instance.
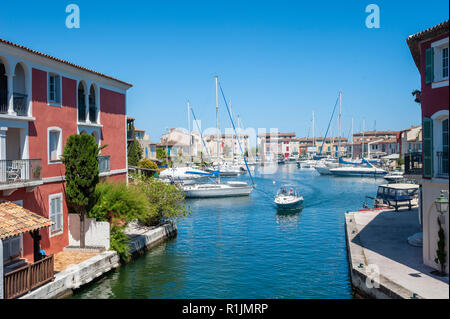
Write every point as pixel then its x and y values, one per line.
pixel 442 202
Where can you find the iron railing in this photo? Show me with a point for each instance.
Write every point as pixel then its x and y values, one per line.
pixel 104 163
pixel 413 163
pixel 19 171
pixel 20 104
pixel 18 282
pixel 3 101
pixel 442 159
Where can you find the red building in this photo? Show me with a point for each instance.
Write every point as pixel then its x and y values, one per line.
pixel 429 49
pixel 43 100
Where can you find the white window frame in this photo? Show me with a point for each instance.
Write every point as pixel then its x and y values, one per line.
pixel 54 102
pixel 59 147
pixel 438 118
pixel 439 80
pixel 50 198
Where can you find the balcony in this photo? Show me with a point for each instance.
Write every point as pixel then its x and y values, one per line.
pixel 20 104
pixel 21 171
pixel 104 164
pixel 18 282
pixel 3 102
pixel 442 159
pixel 413 163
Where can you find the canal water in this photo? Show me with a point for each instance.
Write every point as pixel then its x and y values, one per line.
pixel 244 248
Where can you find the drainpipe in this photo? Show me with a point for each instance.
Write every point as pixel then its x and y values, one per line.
pixel 1 269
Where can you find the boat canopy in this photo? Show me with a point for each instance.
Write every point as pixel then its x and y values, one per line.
pixel 397 192
pixel 215 173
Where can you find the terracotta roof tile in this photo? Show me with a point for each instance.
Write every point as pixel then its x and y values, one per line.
pixel 62 61
pixel 16 220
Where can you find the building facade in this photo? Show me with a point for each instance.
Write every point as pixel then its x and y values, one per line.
pixel 429 49
pixel 44 100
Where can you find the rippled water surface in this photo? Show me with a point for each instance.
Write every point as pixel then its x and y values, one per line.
pixel 244 248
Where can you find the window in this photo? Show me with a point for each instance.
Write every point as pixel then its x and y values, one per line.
pixel 54 144
pixel 54 88
pixel 56 213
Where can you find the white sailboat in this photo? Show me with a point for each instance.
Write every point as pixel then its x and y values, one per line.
pixel 219 189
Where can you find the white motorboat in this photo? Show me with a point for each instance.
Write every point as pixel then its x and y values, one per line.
pixel 323 167
pixel 217 190
pixel 288 198
pixel 358 171
pixel 308 164
pixel 394 177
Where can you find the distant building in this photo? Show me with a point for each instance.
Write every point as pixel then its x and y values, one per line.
pixel 375 143
pixel 430 51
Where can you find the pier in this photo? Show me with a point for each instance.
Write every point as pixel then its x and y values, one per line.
pixel 382 264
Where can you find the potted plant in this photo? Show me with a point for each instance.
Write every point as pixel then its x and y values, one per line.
pixel 37 172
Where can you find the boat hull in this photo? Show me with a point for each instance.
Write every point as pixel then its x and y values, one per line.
pixel 323 170
pixel 219 192
pixel 290 205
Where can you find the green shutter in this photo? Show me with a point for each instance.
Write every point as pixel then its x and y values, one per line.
pixel 427 149
pixel 429 65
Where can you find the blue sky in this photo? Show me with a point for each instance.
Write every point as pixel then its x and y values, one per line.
pixel 277 60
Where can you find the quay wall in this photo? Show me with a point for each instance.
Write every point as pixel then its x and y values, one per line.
pixel 364 284
pixel 85 272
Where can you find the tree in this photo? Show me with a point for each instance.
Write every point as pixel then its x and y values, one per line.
pixel 160 153
pixel 82 175
pixel 134 153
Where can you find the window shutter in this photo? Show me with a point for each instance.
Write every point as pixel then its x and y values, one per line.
pixel 427 147
pixel 429 65
pixel 58 89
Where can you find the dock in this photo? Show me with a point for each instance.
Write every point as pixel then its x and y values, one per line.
pixel 382 264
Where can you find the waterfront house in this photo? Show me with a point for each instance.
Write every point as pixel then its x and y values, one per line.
pixel 365 139
pixel 43 100
pixel 410 150
pixel 429 49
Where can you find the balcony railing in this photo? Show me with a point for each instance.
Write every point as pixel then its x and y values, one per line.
pixel 19 171
pixel 104 164
pixel 442 169
pixel 413 164
pixel 18 282
pixel 20 104
pixel 3 101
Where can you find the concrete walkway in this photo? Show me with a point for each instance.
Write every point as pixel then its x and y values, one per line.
pixel 378 248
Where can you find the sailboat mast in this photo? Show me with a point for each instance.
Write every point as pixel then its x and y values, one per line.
pixel 217 114
pixel 363 128
pixel 232 135
pixel 313 135
pixel 352 139
pixel 340 128
pixel 189 128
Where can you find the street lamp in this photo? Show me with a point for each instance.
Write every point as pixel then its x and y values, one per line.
pixel 442 202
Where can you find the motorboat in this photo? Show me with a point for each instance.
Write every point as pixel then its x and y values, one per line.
pixel 209 190
pixel 368 170
pixel 288 198
pixel 309 164
pixel 358 171
pixel 323 167
pixel 399 194
pixel 394 176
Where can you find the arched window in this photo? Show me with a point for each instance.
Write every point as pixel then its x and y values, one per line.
pixel 20 96
pixel 81 102
pixel 92 105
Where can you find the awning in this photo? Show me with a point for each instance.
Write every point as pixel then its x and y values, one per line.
pixel 392 156
pixel 16 220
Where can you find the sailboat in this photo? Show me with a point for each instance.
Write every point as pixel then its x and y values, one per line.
pixel 218 189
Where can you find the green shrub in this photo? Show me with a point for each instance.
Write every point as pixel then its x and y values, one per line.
pixel 146 163
pixel 120 242
pixel 166 201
